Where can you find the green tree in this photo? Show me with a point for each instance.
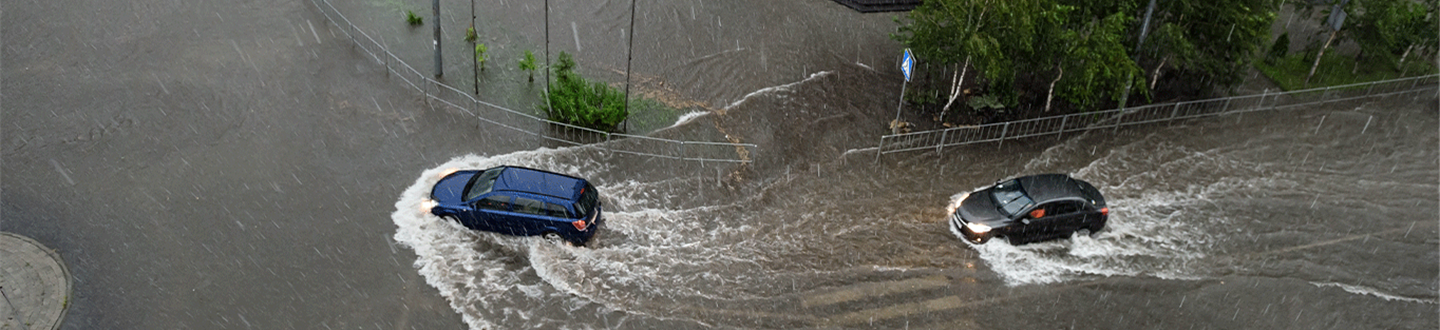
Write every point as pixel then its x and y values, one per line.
pixel 985 34
pixel 1387 30
pixel 1084 51
pixel 1212 42
pixel 1039 39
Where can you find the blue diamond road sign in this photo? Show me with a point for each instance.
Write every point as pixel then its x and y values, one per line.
pixel 907 65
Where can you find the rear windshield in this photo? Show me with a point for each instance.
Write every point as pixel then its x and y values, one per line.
pixel 1011 198
pixel 588 199
pixel 482 183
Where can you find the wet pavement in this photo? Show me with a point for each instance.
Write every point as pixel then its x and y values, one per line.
pixel 242 165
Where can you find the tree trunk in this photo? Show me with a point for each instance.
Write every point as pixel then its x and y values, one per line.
pixel 1156 76
pixel 955 89
pixel 1051 95
pixel 1318 56
pixel 1403 70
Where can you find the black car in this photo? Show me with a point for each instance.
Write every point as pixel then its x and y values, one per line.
pixel 1029 209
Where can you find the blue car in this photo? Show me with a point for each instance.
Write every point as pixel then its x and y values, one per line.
pixel 518 201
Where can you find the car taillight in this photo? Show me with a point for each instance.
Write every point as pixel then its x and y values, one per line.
pixel 1104 211
pixel 579 224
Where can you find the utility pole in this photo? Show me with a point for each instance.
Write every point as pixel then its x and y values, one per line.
pixel 629 56
pixel 548 109
pixel 438 71
pixel 1144 30
pixel 474 65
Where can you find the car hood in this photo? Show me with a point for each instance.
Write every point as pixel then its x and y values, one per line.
pixel 451 188
pixel 979 207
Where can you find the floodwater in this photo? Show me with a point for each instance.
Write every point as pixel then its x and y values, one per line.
pixel 240 165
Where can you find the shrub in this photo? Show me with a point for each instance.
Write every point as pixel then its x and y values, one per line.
pixel 577 101
pixel 413 19
pixel 1279 49
pixel 480 55
pixel 528 64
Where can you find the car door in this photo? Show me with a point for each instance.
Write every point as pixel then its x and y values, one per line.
pixel 489 212
pixel 1051 218
pixel 1067 216
pixel 530 218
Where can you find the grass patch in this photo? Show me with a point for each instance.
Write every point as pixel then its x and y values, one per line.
pixel 413 19
pixel 647 115
pixel 1336 69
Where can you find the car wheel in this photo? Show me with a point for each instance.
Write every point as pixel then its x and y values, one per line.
pixel 1084 232
pixel 551 236
pixel 1016 240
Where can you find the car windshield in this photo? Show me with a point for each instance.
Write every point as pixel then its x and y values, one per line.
pixel 482 183
pixel 1011 197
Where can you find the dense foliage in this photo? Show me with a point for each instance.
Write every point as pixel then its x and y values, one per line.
pixel 577 101
pixel 1085 51
pixel 1391 30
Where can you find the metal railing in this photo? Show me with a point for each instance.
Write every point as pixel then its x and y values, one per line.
pixel 1057 126
pixel 562 133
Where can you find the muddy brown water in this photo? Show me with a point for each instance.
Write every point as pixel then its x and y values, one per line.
pixel 241 165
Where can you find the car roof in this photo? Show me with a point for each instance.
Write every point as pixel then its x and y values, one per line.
pixel 539 182
pixel 1045 188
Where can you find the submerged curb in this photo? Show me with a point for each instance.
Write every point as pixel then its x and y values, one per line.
pixel 35 283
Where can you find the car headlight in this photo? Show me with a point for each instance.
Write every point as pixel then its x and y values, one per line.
pixel 448 172
pixel 955 202
pixel 978 228
pixel 427 204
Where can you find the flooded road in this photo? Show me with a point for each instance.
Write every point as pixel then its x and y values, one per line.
pixel 240 165
pixel 1310 211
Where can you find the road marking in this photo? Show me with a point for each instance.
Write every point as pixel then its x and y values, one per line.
pixel 940 304
pixel 1331 242
pixel 860 291
pixel 948 302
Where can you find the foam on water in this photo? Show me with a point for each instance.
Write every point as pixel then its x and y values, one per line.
pixel 1158 225
pixel 1362 290
pixel 647 257
pixel 473 270
pixel 686 118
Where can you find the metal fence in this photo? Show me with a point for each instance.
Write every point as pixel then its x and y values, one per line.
pixel 1057 126
pixel 562 133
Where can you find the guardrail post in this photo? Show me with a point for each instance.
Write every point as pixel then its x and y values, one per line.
pixel 1060 133
pixel 1325 94
pixel 1227 105
pixel 1003 130
pixel 941 145
pixel 1174 110
pixel 880 149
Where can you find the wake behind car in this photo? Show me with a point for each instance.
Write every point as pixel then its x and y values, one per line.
pixel 518 201
pixel 1030 209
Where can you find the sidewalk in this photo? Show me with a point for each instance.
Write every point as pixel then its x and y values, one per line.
pixel 35 285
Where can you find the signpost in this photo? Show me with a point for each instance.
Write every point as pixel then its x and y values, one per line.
pixel 907 66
